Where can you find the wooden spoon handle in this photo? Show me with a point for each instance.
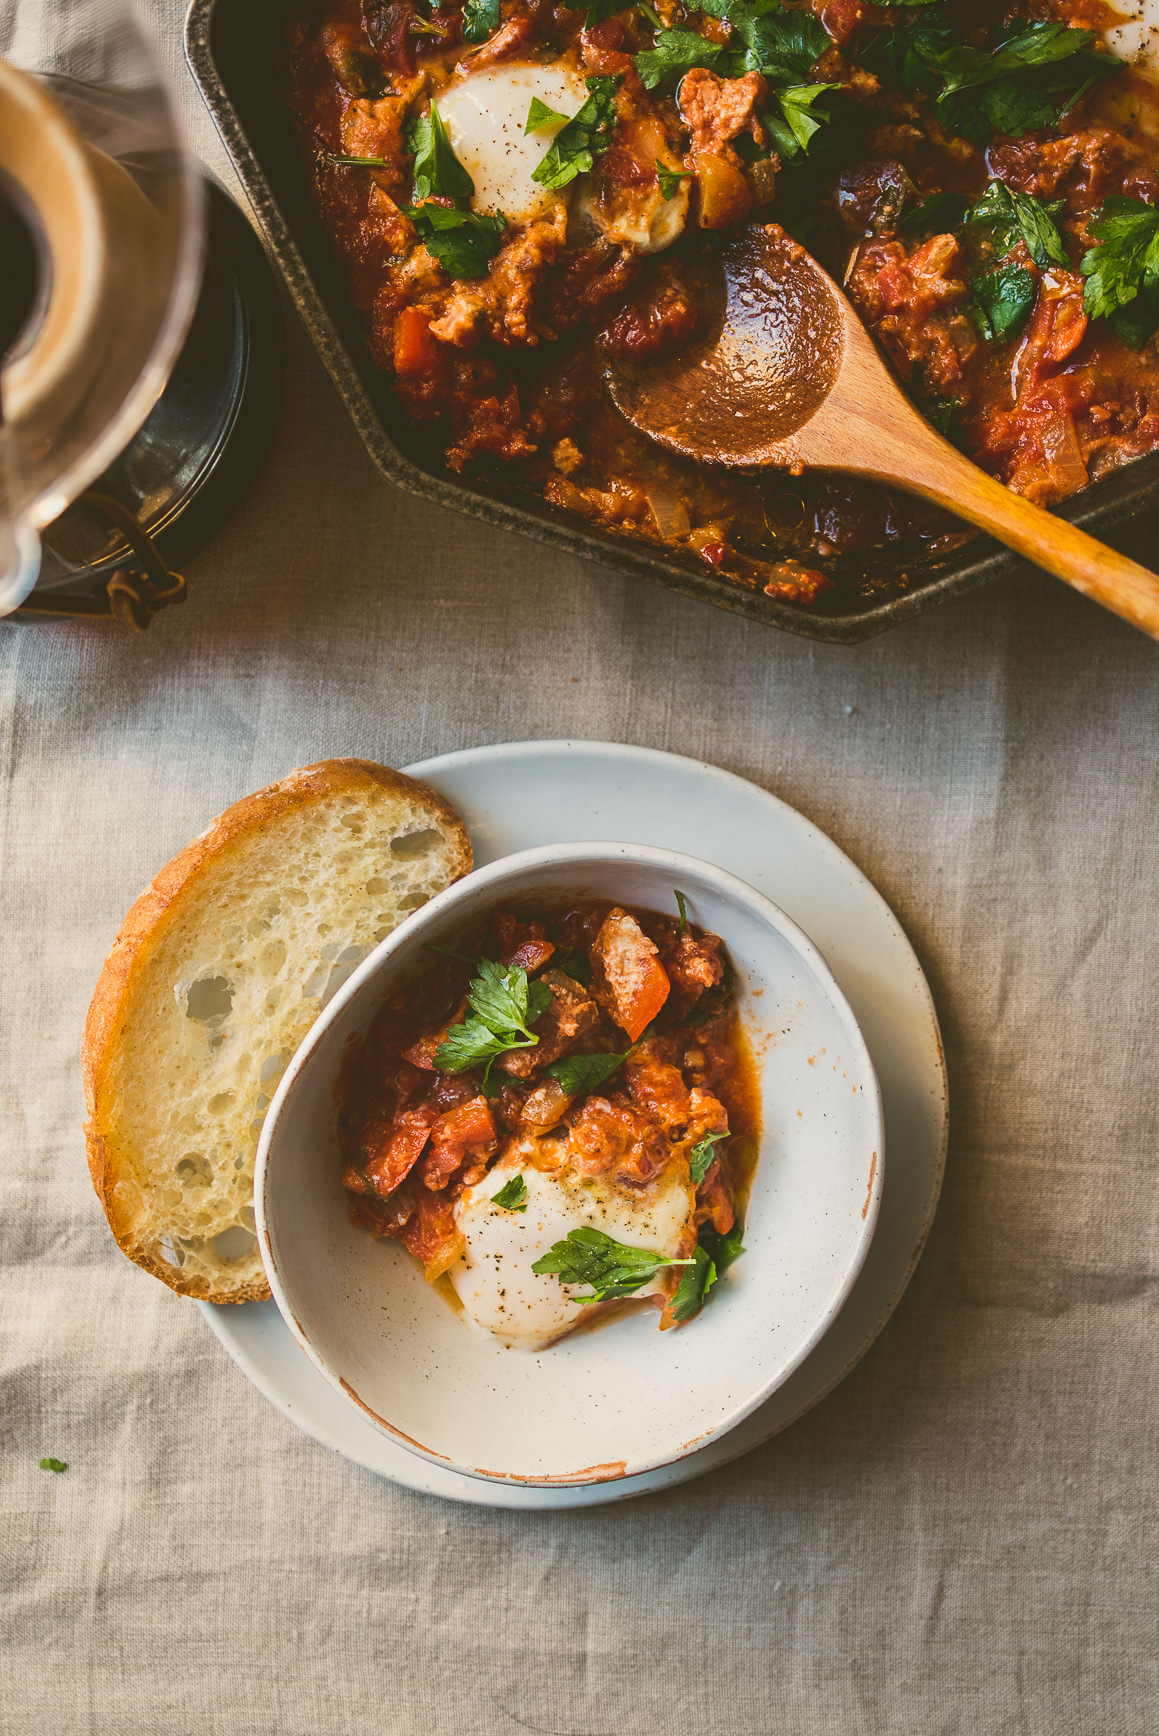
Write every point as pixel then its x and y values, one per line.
pixel 938 470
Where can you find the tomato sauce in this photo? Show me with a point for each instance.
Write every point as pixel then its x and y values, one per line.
pixel 645 994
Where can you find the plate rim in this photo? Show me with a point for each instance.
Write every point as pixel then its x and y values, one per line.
pixel 724 1449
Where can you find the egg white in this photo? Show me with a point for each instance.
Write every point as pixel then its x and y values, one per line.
pixel 499 1292
pixel 485 114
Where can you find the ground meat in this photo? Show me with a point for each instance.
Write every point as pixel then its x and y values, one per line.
pixel 567 1025
pixel 716 109
pixel 610 1137
pixel 488 427
pixel 501 305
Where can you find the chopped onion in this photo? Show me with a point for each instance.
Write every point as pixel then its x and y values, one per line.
pixel 669 512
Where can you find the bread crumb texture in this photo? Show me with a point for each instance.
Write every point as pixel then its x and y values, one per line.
pixel 218 973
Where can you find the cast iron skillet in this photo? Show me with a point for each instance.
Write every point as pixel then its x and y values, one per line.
pixel 232 47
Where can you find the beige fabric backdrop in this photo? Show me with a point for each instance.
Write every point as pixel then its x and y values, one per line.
pixel 962 1539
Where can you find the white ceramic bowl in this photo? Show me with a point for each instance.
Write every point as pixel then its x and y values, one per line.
pixel 624 1398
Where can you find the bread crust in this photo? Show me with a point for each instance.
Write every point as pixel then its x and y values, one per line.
pixel 147 918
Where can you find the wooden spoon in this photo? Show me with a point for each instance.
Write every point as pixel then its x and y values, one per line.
pixel 790 377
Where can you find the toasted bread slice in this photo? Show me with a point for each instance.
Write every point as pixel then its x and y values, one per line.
pixel 219 970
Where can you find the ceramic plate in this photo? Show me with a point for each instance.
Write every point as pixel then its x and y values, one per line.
pixel 518 795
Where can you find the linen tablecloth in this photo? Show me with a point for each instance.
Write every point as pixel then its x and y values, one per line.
pixel 962 1538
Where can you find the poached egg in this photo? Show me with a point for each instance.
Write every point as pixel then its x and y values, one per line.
pixel 485 114
pixel 499 1292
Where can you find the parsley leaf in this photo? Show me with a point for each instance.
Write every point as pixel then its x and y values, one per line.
pixel 1002 300
pixel 588 132
pixel 480 19
pixel 783 45
pixel 579 1073
pixel 1135 322
pixel 54 1464
pixel 470 1045
pixel 669 180
pixel 437 170
pixel 512 1196
pixel 688 1298
pixel 463 242
pixel 793 130
pixel 540 115
pixel 682 907
pixel 574 963
pixel 1124 267
pixel 504 999
pixel 700 1158
pixel 612 1269
pixel 1012 216
pixel 1018 85
pixel 935 214
pixel 674 53
pixel 504 1004
pixel 724 1249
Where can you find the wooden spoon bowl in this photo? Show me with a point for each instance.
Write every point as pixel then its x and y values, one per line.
pixel 788 377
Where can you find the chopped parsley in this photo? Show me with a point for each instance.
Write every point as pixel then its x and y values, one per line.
pixel 512 1196
pixel 1012 216
pixel 1122 270
pixel 1028 79
pixel 669 180
pixel 793 130
pixel 463 242
pixel 54 1464
pixel 541 115
pixel 573 963
pixel 937 213
pixel 695 1283
pixel 504 1004
pixel 611 1269
pixel 1003 287
pixel 588 133
pixel 674 53
pixel 700 1158
pixel 1002 300
pixel 579 1073
pixel 781 44
pixel 438 173
pixel 726 1249
pixel 480 19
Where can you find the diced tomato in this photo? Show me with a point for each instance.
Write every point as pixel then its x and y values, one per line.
pixel 393 1148
pixel 415 350
pixel 634 983
pixel 432 1234
pixel 467 1128
pixel 468 1123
